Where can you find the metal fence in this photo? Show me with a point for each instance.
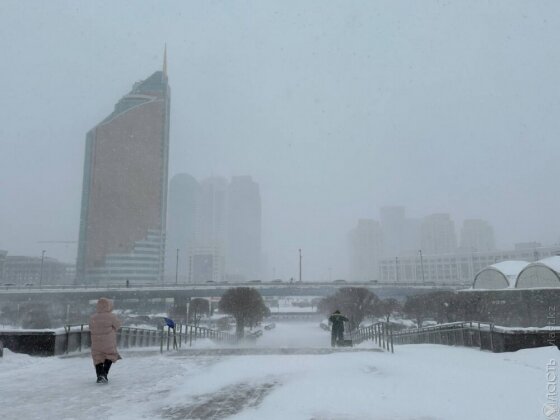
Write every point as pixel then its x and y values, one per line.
pixel 469 334
pixel 381 333
pixel 78 337
pixel 482 335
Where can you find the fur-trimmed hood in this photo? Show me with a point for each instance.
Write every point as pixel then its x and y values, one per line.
pixel 104 305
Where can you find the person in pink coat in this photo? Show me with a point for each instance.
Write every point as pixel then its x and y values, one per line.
pixel 103 326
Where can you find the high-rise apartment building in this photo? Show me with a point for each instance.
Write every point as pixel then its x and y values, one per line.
pixel 477 235
pixel 210 242
pixel 211 213
pixel 413 237
pixel 216 225
pixel 123 215
pixel 243 258
pixel 438 234
pixel 366 249
pixel 206 264
pixel 184 192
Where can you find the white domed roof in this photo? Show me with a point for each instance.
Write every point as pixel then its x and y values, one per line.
pixel 551 262
pixel 489 277
pixel 544 273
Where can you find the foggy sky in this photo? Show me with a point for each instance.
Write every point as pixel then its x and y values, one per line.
pixel 334 108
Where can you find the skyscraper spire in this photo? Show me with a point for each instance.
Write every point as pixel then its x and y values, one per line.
pixel 165 60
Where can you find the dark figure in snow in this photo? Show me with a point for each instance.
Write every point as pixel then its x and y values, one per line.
pixel 103 326
pixel 337 332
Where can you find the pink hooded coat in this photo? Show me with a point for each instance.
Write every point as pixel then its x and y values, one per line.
pixel 103 326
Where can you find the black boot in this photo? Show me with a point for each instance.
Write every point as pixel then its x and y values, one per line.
pixel 106 367
pixel 100 371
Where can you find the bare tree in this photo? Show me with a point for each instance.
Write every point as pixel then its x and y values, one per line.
pixel 197 309
pixel 415 308
pixel 36 316
pixel 354 302
pixel 179 311
pixel 440 305
pixel 443 306
pixel 246 305
pixel 390 306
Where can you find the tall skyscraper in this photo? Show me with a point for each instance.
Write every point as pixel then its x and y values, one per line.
pixel 438 234
pixel 184 194
pixel 207 256
pixel 123 215
pixel 366 249
pixel 243 258
pixel 477 235
pixel 211 213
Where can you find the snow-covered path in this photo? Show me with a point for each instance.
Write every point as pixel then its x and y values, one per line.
pixel 295 335
pixel 417 382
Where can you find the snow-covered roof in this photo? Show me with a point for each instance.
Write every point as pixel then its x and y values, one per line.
pixel 542 273
pixel 509 270
pixel 551 262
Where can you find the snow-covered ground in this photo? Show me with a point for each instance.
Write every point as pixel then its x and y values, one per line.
pixel 417 382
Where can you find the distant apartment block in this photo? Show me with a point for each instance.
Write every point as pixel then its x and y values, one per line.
pixel 216 224
pixel 477 235
pixel 393 225
pixel 365 244
pixel 211 214
pixel 437 234
pixel 184 195
pixel 30 271
pixel 401 234
pixel 243 260
pixel 206 265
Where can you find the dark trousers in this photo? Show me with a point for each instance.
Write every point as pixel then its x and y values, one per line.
pixel 102 369
pixel 336 336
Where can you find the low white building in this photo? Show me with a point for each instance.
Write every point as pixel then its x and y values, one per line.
pixel 452 268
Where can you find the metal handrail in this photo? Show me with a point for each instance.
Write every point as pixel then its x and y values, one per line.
pixel 460 333
pixel 144 337
pixel 380 332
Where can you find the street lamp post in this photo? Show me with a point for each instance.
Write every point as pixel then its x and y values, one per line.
pixel 422 265
pixel 177 268
pixel 41 272
pixel 300 265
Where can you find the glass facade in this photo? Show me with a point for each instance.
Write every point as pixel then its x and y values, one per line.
pixel 124 195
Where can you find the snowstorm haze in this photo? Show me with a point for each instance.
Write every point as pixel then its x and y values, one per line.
pixel 334 108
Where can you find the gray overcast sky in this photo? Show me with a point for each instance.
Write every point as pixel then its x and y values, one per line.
pixel 335 107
